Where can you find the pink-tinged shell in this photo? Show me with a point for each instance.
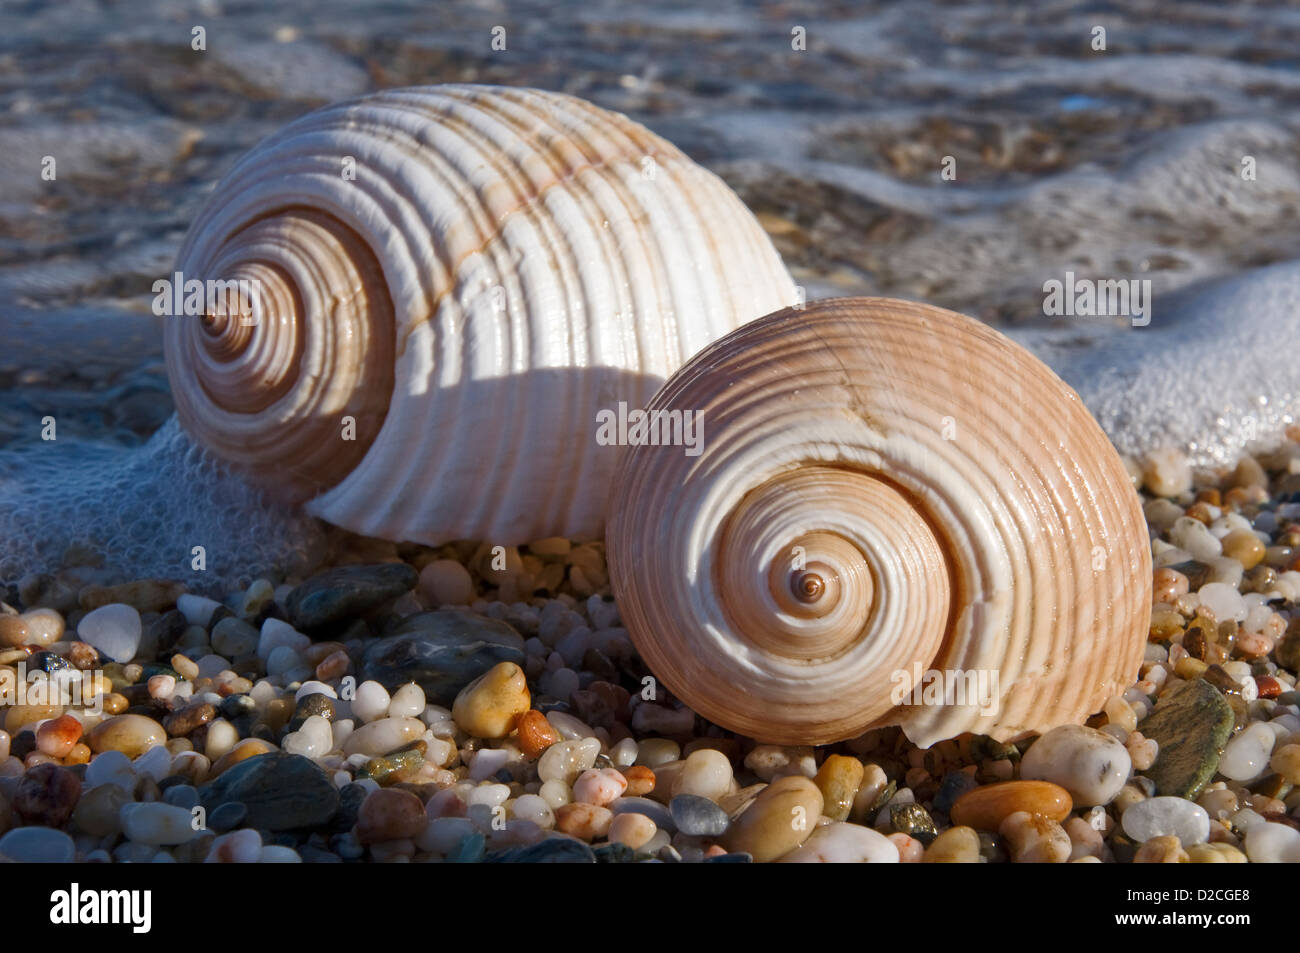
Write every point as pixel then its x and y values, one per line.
pixel 469 274
pixel 966 513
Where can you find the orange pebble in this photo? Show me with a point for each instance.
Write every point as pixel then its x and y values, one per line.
pixel 80 754
pixel 57 736
pixel 335 665
pixel 640 781
pixel 535 733
pixel 985 808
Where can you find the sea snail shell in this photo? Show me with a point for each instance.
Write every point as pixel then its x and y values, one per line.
pixel 502 265
pixel 955 508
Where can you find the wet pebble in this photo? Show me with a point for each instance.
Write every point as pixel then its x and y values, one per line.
pixel 1172 816
pixel 698 816
pixel 1092 765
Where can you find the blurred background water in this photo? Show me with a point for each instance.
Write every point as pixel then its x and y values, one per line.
pixel 1123 163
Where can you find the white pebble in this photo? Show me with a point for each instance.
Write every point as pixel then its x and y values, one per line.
pixel 487 762
pixel 841 843
pixel 371 701
pixel 1270 843
pixel 155 763
pixel 277 632
pixel 1092 765
pixel 313 687
pixel 1223 601
pixel 197 609
pixel 1161 816
pixel 313 740
pixel 113 629
pixel 277 854
pixel 243 846
pixel 1195 537
pixel 111 767
pixel 407 702
pixel 1246 756
pixel 157 823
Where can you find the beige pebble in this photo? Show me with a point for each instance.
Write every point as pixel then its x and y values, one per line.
pixel 489 706
pixel 584 821
pixel 1165 849
pixel 248 748
pixel 1085 840
pixel 1035 839
pixel 874 781
pixel 132 735
pixel 446 582
pixel 956 845
pixel 634 830
pixel 1286 762
pixel 780 819
pixel 706 773
pixel 1215 854
pixel 910 850
pixel 839 779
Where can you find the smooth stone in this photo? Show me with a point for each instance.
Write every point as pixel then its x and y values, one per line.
pixel 99 811
pixel 698 816
pixel 111 767
pixel 913 820
pixel 1271 843
pixel 1191 724
pixel 132 735
pixel 838 779
pixel 228 816
pixel 371 701
pixel 441 652
pixel 446 582
pixel 599 786
pixel 706 773
pixel 316 704
pixel 985 808
pixel 38 845
pixel 555 849
pixel 347 591
pixel 390 814
pixel 632 830
pixel 233 637
pixel 1167 816
pixel 46 795
pixel 842 843
pixel 956 845
pixel 1035 839
pixel 112 629
pixel 491 705
pixel 384 736
pixel 248 748
pixel 471 849
pixel 657 812
pixel 190 718
pixel 281 791
pixel 780 819
pixel 566 760
pixel 238 847
pixel 1088 763
pixel 1246 756
pixel 275 634
pixel 157 823
pixel 182 795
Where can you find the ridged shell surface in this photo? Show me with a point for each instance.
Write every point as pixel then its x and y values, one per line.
pixel 885 490
pixel 470 274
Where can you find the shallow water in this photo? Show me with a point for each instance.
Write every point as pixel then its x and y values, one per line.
pixel 1123 164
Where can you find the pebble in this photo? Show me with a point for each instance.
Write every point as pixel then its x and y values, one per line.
pixel 910 850
pixel 346 591
pixel 780 819
pixel 98 812
pixel 390 814
pixel 1035 839
pixel 587 822
pixel 1271 843
pixel 705 773
pixel 38 845
pixel 1090 764
pixel 233 637
pixel 1247 755
pixel 111 767
pixel 1215 854
pixel 242 751
pixel 985 808
pixel 599 786
pixel 46 795
pixel 698 816
pixel 441 651
pixel 237 847
pixel 383 737
pixel 634 830
pixel 1165 849
pixel 535 733
pixel 158 823
pixel 112 629
pixel 1190 725
pixel 407 702
pixel 57 736
pixel 657 812
pixel 1173 816
pixel 658 719
pixel 490 705
pixel 640 780
pixel 281 791
pixel 838 779
pixel 132 735
pixel 841 843
pixel 446 582
pixel 313 740
pixel 568 759
pixel 552 850
pixel 773 761
pixel 1286 762
pixel 188 719
pixel 652 752
pixel 275 634
pixel 371 701
pixel 956 845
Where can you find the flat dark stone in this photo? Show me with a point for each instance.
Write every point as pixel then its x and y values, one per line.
pixel 442 651
pixel 281 791
pixel 1191 725
pixel 553 850
pixel 347 591
pixel 698 816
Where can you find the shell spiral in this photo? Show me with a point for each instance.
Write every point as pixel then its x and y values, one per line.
pixel 889 497
pixel 448 284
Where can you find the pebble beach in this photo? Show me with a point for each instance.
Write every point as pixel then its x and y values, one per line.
pixel 309 695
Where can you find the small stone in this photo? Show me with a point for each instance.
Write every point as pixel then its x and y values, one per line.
pixel 568 759
pixel 698 816
pixel 706 773
pixel 780 819
pixel 185 720
pixel 46 795
pixel 313 705
pixel 38 845
pixel 1215 854
pixel 383 737
pixel 912 820
pixel 281 791
pixel 390 814
pixel 653 752
pixel 407 702
pixel 773 761
pixel 1166 472
pixel 838 779
pixel 347 591
pixel 956 845
pixel 98 811
pixel 157 823
pixel 952 787
pixel 841 843
pixel 599 786
pixel 634 830
pixel 226 817
pixel 57 736
pixel 652 809
pixel 1244 546
pixel 112 629
pixel 640 780
pixel 1092 765
pixel 312 740
pixel 233 637
pixel 442 652
pixel 237 847
pixel 552 850
pixel 490 706
pixel 446 582
pixel 371 701
pixel 13 631
pixel 1190 724
pixel 132 735
pixel 1172 816
pixel 985 808
pixel 586 822
pixel 1246 756
pixel 535 733
pixel 248 748
pixel 1164 849
pixel 1286 762
pixel 1034 839
pixel 1267 843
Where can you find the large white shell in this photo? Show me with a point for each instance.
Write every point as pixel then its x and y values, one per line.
pixel 955 506
pixel 504 264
